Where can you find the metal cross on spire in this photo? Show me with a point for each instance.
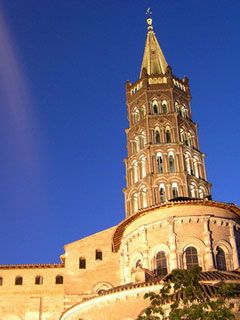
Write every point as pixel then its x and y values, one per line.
pixel 149 18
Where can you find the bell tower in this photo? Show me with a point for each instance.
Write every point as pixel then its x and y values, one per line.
pixel 163 161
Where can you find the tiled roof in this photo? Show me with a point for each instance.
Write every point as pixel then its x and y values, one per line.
pixel 213 276
pixel 117 236
pixel 206 277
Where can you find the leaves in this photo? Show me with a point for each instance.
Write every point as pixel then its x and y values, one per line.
pixel 183 297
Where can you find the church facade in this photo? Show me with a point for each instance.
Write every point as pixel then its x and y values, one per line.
pixel 171 220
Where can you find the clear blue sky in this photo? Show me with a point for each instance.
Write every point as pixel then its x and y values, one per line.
pixel 63 68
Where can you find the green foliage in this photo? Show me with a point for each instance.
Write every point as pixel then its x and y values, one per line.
pixel 187 300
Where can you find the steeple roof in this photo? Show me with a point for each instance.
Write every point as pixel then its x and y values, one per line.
pixel 153 58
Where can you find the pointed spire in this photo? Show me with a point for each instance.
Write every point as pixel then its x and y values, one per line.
pixel 153 58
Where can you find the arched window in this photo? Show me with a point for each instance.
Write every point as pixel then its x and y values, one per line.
pixel 82 263
pixel 18 281
pixel 191 256
pixel 192 191
pixel 98 255
pixel 201 193
pixel 176 106
pixel 141 142
pixel 159 163
pixel 135 171
pixel 144 198
pixel 162 194
pixel 1 281
pixel 187 164
pixel 164 107
pixel 136 116
pixel 133 146
pixel 174 190
pixel 155 107
pixel 143 111
pixel 161 264
pixel 195 166
pixel 182 112
pixel 38 280
pixel 143 167
pixel 182 135
pixel 157 136
pixel 171 163
pixel 135 202
pixel 59 280
pixel 189 139
pixel 168 136
pixel 221 259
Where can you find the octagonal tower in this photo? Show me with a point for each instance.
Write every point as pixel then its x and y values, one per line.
pixel 164 161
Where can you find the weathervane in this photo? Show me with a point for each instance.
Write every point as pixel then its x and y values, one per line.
pixel 149 12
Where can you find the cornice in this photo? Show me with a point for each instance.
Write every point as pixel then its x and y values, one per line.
pixel 118 234
pixel 32 266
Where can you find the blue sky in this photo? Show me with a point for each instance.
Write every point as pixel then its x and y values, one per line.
pixel 63 68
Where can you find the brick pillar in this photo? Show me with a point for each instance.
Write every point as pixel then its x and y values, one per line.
pixel 173 264
pixel 234 246
pixel 209 261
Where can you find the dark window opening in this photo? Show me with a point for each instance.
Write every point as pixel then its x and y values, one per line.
pixel 1 281
pixel 98 255
pixel 164 108
pixel 162 195
pixel 59 280
pixel 39 280
pixel 157 137
pixel 18 281
pixel 221 259
pixel 168 136
pixel 161 264
pixel 82 263
pixel 175 192
pixel 159 164
pixel 155 109
pixel 171 164
pixel 191 257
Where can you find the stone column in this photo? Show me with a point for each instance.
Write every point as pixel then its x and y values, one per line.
pixel 125 273
pixel 173 264
pixel 165 162
pixel 234 246
pixel 146 263
pixel 209 261
pixel 168 191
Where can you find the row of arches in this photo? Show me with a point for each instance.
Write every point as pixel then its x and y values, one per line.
pixel 138 114
pixel 159 135
pixel 38 280
pixel 194 166
pixel 181 109
pixel 140 199
pixel 190 259
pixel 163 164
pixel 163 135
pixel 188 138
pixel 159 107
pixel 138 142
pixel 196 191
pixel 137 170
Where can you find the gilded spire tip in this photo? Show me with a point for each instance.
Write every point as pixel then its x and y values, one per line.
pixel 149 18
